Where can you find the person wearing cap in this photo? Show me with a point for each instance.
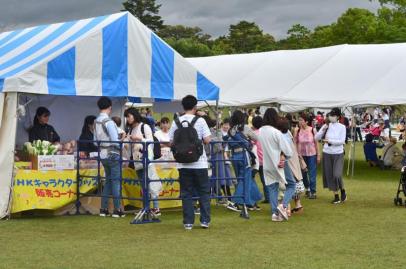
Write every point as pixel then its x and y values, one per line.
pixel 333 135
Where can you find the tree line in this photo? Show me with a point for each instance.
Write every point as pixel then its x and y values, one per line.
pixel 354 26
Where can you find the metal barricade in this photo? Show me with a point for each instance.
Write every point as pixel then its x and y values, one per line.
pixel 145 215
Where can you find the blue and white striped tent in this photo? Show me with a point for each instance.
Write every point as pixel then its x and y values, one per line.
pixel 113 55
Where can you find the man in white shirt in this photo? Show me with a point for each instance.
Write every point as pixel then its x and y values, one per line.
pixel 193 177
pixel 106 130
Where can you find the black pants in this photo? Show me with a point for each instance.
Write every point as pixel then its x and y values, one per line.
pixel 358 134
pixel 194 181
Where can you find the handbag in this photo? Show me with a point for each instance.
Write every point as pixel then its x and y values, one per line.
pixel 300 188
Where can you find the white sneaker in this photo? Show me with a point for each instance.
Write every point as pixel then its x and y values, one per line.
pixel 276 218
pixel 233 207
pixel 282 211
pixel 188 226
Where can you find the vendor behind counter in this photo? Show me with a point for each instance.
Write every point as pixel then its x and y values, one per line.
pixel 41 130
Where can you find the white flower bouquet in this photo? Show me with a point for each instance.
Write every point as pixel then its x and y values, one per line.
pixel 39 147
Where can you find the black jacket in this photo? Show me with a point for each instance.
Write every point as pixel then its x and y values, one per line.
pixel 43 132
pixel 87 146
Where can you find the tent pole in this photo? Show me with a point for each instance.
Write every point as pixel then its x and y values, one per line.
pixel 349 156
pixel 354 129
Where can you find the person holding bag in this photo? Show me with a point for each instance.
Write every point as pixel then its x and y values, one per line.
pixel 306 144
pixel 275 149
pixel 333 136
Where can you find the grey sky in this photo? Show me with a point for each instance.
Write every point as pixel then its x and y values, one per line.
pixel 213 16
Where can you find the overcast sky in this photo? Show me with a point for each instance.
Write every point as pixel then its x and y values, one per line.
pixel 213 16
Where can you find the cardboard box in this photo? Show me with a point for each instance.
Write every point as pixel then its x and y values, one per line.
pixel 23 165
pixel 53 162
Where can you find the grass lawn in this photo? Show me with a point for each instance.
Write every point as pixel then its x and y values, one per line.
pixel 368 231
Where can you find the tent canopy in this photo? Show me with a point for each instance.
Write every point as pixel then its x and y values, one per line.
pixel 113 55
pixel 345 75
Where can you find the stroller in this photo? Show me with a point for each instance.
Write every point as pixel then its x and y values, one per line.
pixel 401 188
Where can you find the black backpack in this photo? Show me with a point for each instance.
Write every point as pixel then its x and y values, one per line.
pixel 186 147
pixel 156 146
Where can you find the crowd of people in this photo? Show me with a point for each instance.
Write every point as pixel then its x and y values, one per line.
pixel 282 151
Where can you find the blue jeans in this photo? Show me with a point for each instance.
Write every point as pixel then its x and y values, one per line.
pixel 194 181
pixel 273 191
pixel 247 184
pixel 261 176
pixel 309 177
pixel 112 185
pixel 290 186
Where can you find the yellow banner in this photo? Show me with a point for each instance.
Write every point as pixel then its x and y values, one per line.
pixel 55 189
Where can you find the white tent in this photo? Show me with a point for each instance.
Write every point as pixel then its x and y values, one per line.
pixel 345 75
pixel 66 66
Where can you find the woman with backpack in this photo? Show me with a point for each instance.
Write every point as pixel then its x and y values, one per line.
pixel 240 136
pixel 139 131
pixel 307 148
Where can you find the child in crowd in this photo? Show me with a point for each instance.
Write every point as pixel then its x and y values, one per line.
pixel 117 121
pixel 370 151
pixel 226 173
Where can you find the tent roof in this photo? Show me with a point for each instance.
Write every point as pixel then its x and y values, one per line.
pixel 344 75
pixel 113 55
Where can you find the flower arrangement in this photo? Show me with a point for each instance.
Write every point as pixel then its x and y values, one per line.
pixel 39 147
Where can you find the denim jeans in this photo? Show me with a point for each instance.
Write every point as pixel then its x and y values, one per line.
pixel 247 184
pixel 273 197
pixel 261 176
pixel 194 181
pixel 290 187
pixel 309 177
pixel 112 185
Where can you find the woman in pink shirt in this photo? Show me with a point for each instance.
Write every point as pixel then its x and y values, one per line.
pixel 308 150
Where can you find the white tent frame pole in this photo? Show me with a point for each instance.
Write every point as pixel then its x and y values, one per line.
pixel 351 154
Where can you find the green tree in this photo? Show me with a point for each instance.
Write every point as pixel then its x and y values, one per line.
pixel 355 26
pixel 146 11
pixel 178 32
pixel 248 37
pixel 400 4
pixel 298 38
pixel 189 47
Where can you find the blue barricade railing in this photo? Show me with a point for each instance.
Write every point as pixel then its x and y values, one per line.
pixel 216 159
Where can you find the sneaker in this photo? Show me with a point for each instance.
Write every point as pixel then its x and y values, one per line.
pixel 343 196
pixel 188 226
pixel 204 225
pixel 251 207
pixel 118 214
pixel 104 212
pixel 197 211
pixel 257 207
pixel 156 212
pixel 307 194
pixel 336 200
pixel 233 207
pixel 282 211
pixel 312 196
pixel 276 218
pixel 223 202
